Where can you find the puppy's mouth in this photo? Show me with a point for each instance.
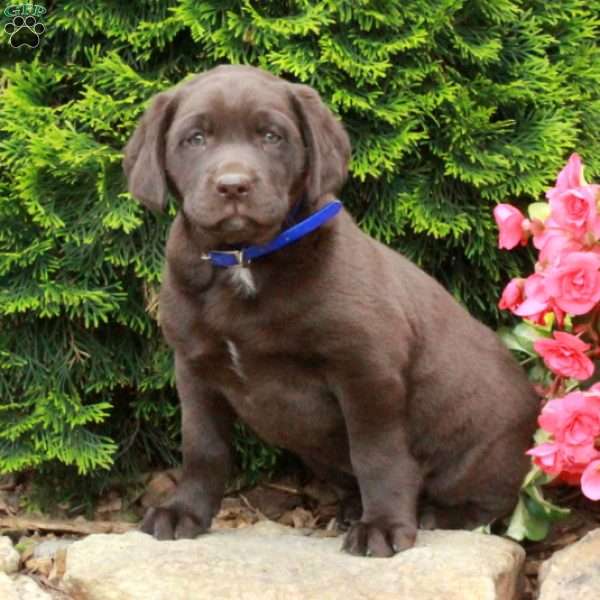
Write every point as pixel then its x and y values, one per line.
pixel 243 231
pixel 236 224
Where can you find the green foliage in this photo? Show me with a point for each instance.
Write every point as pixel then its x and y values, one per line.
pixel 534 514
pixel 255 459
pixel 452 106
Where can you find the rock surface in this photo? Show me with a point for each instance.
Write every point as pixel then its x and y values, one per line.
pixel 9 557
pixel 8 591
pixel 271 562
pixel 574 572
pixel 21 588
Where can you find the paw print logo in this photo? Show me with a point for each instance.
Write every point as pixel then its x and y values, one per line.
pixel 24 31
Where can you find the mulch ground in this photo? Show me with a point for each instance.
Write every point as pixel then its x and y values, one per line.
pixel 290 500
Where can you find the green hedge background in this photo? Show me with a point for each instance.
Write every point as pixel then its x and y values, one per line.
pixel 452 106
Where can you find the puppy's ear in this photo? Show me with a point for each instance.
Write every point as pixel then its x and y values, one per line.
pixel 326 141
pixel 144 154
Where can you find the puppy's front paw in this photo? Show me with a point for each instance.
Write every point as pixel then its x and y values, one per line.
pixel 368 539
pixel 349 511
pixel 173 523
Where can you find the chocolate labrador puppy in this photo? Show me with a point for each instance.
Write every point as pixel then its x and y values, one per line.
pixel 333 346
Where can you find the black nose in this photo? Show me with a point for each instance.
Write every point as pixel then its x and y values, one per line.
pixel 233 184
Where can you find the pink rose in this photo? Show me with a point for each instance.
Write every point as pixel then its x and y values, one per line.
pixel 543 232
pixel 573 419
pixel 575 283
pixel 590 480
pixel 538 302
pixel 510 223
pixel 537 299
pixel 572 201
pixel 574 422
pixel 527 298
pixel 575 209
pixel 564 355
pixel 560 459
pixel 568 462
pixel 555 245
pixel 548 458
pixel 578 456
pixel 512 295
pixel 570 177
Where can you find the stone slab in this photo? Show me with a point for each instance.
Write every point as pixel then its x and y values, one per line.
pixel 574 572
pixel 271 562
pixel 9 557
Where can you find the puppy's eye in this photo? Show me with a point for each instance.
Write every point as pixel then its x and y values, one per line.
pixel 196 139
pixel 270 137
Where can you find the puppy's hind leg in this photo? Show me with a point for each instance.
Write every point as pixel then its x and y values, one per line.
pixel 461 516
pixel 483 493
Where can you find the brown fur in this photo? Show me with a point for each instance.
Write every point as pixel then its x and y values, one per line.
pixel 345 353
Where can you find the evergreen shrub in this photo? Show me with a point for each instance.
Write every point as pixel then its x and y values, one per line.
pixel 452 106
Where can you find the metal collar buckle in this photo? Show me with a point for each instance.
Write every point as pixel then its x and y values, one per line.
pixel 237 254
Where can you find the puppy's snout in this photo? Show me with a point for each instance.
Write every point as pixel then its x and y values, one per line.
pixel 233 185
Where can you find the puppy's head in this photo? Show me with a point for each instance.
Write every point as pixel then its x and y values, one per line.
pixel 238 148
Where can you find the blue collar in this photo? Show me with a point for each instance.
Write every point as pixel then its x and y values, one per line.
pixel 244 256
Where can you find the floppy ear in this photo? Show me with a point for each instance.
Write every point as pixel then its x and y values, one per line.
pixel 144 154
pixel 326 141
